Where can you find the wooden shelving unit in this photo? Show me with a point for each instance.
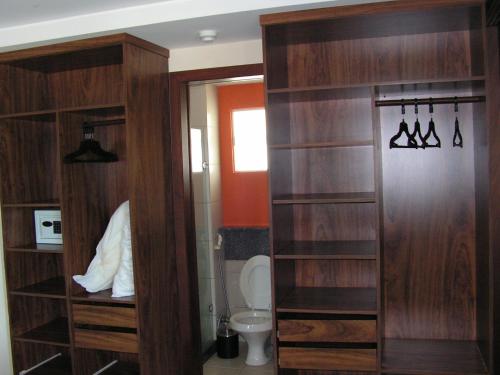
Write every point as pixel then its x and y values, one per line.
pixel 395 235
pixel 119 83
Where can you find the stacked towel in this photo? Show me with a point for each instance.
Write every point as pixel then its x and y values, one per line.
pixel 112 264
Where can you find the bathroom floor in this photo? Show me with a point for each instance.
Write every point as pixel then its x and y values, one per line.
pixel 236 366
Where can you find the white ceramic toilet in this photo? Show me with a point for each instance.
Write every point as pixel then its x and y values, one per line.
pixel 255 324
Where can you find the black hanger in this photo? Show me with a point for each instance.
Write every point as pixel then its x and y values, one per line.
pixel 457 137
pixel 403 129
pixel 432 130
pixel 90 150
pixel 417 132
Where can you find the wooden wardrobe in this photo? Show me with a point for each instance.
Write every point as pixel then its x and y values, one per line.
pixel 119 86
pixel 384 260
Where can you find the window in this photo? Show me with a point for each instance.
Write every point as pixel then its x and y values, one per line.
pixel 196 151
pixel 249 140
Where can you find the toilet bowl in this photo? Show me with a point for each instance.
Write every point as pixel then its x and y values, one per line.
pixel 255 324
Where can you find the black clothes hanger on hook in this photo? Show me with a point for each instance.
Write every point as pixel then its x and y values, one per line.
pixel 417 132
pixel 457 136
pixel 403 129
pixel 90 150
pixel 432 130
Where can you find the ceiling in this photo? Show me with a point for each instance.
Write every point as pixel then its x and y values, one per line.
pixel 170 23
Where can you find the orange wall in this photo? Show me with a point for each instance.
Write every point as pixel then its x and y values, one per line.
pixel 244 195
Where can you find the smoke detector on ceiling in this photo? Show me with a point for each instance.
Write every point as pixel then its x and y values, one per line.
pixel 207 36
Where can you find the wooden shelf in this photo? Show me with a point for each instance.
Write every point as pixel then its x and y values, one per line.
pixel 366 197
pixel 104 297
pixel 58 366
pixel 359 301
pixel 433 357
pixel 122 368
pixel 38 248
pixel 326 250
pixel 92 107
pixel 321 145
pixel 51 288
pixel 46 204
pixel 53 333
pixel 367 85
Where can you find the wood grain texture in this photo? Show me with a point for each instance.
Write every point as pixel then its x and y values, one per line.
pixel 25 269
pixel 434 357
pixel 328 359
pixel 336 273
pixel 104 315
pixel 325 250
pixel 27 355
pixel 95 360
pixel 350 331
pixel 429 233
pixel 151 207
pixel 105 340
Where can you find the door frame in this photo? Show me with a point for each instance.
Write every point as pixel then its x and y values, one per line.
pixel 187 273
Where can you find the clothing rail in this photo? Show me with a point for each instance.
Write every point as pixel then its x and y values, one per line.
pixel 425 101
pixel 40 364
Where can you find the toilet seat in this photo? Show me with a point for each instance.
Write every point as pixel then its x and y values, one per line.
pixel 255 282
pixel 252 321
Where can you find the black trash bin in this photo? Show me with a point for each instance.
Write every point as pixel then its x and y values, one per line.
pixel 228 345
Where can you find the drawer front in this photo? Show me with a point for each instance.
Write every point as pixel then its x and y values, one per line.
pixel 328 359
pixel 364 331
pixel 104 340
pixel 104 316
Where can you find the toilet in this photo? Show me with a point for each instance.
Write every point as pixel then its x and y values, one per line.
pixel 255 324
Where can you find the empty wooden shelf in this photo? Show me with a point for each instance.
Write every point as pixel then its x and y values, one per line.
pixel 55 332
pixel 365 197
pixel 325 250
pixel 51 288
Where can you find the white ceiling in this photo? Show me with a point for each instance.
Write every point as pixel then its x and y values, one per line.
pixel 170 23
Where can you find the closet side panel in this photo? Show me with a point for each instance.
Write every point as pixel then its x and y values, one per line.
pixel 150 191
pixel 429 232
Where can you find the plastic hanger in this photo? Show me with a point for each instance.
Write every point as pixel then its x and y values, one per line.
pixel 90 150
pixel 417 132
pixel 432 130
pixel 403 129
pixel 457 136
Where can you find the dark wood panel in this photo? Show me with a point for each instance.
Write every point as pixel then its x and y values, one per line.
pixel 58 366
pixel 51 288
pixel 151 207
pixel 94 360
pixel 26 269
pixel 434 357
pixel 55 332
pixel 325 250
pixel 362 301
pixel 325 198
pixel 336 222
pixel 429 232
pixel 323 171
pixel 106 340
pixel 104 315
pixel 27 354
pixel 362 331
pixel 319 116
pixel 318 372
pixel 328 359
pixel 336 273
pixel 28 160
pixel 37 248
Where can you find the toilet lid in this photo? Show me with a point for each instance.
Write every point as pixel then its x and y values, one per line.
pixel 255 282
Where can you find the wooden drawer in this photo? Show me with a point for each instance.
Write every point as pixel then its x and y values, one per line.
pixel 104 316
pixel 105 340
pixel 364 331
pixel 328 359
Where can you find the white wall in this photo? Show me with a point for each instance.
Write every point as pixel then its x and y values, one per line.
pixel 216 55
pixel 5 351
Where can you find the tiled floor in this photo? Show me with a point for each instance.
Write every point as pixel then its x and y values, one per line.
pixel 236 366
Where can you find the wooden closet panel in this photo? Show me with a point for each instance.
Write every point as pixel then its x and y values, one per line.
pixel 429 232
pixel 335 222
pixel 328 115
pixel 336 273
pixel 25 269
pixel 380 59
pixel 23 90
pixel 26 355
pixel 95 360
pixel 151 208
pixel 29 154
pixel 318 372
